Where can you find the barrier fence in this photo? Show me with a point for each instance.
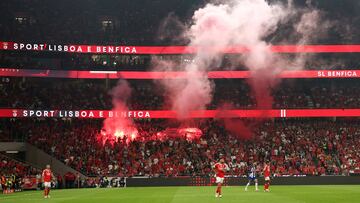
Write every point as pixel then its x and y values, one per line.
pixel 236 181
pixel 31 183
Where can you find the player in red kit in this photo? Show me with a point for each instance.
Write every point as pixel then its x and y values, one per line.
pixel 220 168
pixel 267 176
pixel 46 177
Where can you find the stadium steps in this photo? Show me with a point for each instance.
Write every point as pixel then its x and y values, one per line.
pixel 309 101
pixel 38 157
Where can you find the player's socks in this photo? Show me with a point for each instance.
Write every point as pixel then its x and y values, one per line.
pixel 266 186
pixel 246 187
pixel 256 187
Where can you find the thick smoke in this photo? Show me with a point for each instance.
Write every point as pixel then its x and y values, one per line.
pixel 195 92
pixel 115 128
pixel 250 23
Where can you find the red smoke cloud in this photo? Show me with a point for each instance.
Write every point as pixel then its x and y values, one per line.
pixel 119 128
pixel 239 128
pixel 236 126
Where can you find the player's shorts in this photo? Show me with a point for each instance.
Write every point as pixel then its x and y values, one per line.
pixel 219 180
pixel 252 178
pixel 47 184
pixel 267 178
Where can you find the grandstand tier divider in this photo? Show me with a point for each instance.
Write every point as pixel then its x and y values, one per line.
pixel 168 114
pixel 128 49
pixel 142 75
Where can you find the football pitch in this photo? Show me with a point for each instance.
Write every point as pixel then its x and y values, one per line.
pixel 278 194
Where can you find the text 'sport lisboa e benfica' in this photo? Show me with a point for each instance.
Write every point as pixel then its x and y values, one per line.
pixel 81 114
pixel 124 49
pixel 70 48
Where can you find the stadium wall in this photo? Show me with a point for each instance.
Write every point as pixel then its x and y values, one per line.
pixel 200 181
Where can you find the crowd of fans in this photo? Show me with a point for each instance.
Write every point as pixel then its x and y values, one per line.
pixel 31 93
pixel 9 166
pixel 36 95
pixel 295 147
pixel 15 175
pixel 12 173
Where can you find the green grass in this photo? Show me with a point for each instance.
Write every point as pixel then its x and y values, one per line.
pixel 278 194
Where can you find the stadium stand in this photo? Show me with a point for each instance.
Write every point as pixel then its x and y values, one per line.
pixel 296 147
